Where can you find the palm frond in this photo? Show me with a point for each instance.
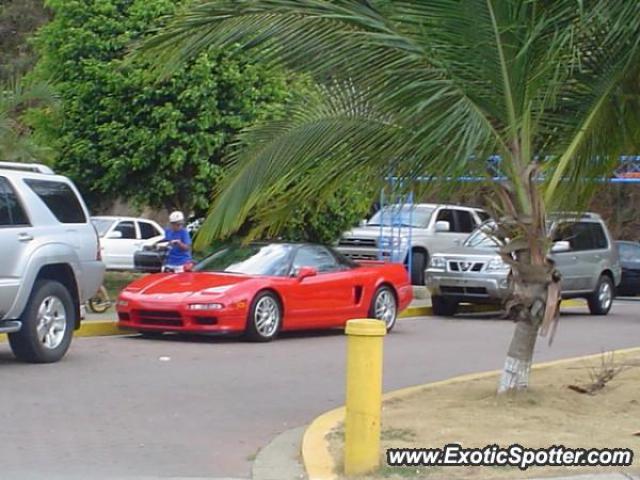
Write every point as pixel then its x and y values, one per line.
pixel 16 98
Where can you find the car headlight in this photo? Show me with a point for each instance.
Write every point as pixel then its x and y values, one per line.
pixel 123 303
pixel 437 262
pixel 497 265
pixel 205 306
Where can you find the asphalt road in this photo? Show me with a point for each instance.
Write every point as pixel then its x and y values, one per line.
pixel 130 407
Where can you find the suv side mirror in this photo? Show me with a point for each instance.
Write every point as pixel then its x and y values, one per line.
pixel 115 234
pixel 561 246
pixel 443 226
pixel 305 272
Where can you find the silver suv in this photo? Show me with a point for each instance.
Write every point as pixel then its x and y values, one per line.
pixel 410 231
pixel 50 261
pixel 474 272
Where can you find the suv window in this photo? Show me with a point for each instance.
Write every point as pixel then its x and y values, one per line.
pixel 11 212
pixel 629 252
pixel 582 235
pixel 446 215
pixel 465 222
pixel 315 256
pixel 599 237
pixel 147 230
pixel 482 215
pixel 60 199
pixel 128 230
pixel 460 221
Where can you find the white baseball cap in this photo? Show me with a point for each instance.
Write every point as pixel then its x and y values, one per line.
pixel 176 217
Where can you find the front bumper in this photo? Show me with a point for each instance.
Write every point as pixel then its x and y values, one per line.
pixel 154 317
pixel 469 287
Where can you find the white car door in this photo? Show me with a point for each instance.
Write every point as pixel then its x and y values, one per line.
pixel 120 244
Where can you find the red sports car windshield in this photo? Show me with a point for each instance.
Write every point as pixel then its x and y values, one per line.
pixel 272 259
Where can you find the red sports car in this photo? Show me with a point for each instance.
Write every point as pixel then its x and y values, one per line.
pixel 264 288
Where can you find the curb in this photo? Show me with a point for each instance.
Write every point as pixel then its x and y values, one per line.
pixel 92 328
pixel 319 462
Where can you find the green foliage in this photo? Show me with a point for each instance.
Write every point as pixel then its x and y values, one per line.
pixel 122 133
pixel 321 221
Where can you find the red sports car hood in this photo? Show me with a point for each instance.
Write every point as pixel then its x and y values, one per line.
pixel 185 284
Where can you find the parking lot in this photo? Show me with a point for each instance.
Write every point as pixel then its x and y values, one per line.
pixel 119 407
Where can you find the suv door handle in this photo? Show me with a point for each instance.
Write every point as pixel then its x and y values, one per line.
pixel 25 237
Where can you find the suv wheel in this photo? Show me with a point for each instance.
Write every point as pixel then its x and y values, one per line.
pixel 47 324
pixel 418 265
pixel 601 299
pixel 443 307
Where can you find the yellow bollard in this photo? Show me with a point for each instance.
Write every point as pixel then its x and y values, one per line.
pixel 364 395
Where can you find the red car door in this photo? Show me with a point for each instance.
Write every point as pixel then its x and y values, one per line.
pixel 327 298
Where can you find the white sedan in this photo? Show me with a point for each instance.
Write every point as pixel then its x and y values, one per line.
pixel 122 237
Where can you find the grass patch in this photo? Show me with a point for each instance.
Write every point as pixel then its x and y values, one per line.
pixel 549 413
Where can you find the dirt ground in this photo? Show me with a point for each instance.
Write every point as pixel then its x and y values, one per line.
pixel 549 413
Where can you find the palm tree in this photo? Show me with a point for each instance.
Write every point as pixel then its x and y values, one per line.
pixel 432 87
pixel 16 142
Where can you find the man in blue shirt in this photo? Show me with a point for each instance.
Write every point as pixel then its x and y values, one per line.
pixel 179 242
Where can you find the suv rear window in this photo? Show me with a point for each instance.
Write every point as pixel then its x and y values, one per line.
pixel 60 199
pixel 11 212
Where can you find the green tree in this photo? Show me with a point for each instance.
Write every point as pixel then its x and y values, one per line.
pixel 16 141
pixel 121 133
pixel 320 220
pixel 423 88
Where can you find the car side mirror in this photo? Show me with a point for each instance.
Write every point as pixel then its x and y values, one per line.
pixel 188 267
pixel 305 272
pixel 561 246
pixel 363 222
pixel 443 226
pixel 115 234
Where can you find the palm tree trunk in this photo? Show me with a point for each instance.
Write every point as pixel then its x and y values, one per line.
pixel 515 375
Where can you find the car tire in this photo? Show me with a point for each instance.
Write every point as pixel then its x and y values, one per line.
pixel 443 307
pixel 601 299
pixel 264 319
pixel 48 322
pixel 384 306
pixel 418 265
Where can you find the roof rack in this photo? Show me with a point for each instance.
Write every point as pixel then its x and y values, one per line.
pixel 26 167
